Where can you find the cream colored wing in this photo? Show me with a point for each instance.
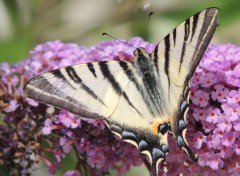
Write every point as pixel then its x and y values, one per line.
pixel 176 59
pixel 91 90
pixel 136 100
pixel 113 91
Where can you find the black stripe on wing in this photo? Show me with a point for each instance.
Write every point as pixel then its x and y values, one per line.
pixel 186 34
pixel 39 88
pixel 167 50
pixel 58 74
pixel 91 69
pixel 208 28
pixel 155 58
pixel 194 24
pixel 207 25
pixel 107 74
pixel 76 78
pixel 134 80
pixel 174 36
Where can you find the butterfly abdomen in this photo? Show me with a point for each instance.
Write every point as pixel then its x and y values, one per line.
pixel 146 70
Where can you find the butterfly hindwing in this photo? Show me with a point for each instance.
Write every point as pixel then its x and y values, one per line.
pixel 154 145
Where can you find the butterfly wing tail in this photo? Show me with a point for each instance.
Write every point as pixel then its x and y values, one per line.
pixel 154 168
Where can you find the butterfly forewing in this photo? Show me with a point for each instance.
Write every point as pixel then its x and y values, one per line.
pixel 181 50
pixel 81 89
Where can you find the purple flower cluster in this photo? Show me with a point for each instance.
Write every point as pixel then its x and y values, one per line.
pixel 29 130
pixel 215 97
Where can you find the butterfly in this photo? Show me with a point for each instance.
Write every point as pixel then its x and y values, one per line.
pixel 141 101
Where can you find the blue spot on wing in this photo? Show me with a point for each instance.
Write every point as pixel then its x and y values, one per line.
pixel 129 135
pixel 157 153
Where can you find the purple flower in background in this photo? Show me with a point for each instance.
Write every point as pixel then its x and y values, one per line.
pixel 238 148
pixel 199 114
pixel 13 105
pixel 30 130
pixel 220 93
pixel 228 139
pixel 224 124
pixel 207 80
pixel 65 144
pixel 199 140
pixel 200 98
pixel 48 126
pixel 237 125
pixel 232 111
pixel 234 96
pixel 212 115
pixel 196 80
pixel 68 119
pixel 207 127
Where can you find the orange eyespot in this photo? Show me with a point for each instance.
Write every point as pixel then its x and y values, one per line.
pixel 169 120
pixel 155 126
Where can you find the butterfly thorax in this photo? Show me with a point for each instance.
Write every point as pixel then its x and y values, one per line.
pixel 146 70
pixel 144 63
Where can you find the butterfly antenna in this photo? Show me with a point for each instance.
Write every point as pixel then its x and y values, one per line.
pixel 145 30
pixel 104 33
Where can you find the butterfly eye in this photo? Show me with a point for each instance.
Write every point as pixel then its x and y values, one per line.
pixel 163 128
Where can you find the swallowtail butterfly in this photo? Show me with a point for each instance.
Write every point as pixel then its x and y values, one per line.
pixel 141 101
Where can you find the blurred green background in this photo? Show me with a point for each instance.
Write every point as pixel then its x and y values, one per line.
pixel 25 23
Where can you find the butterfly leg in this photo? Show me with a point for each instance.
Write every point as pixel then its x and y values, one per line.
pixel 179 129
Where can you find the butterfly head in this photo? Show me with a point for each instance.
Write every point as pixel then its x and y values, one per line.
pixel 141 52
